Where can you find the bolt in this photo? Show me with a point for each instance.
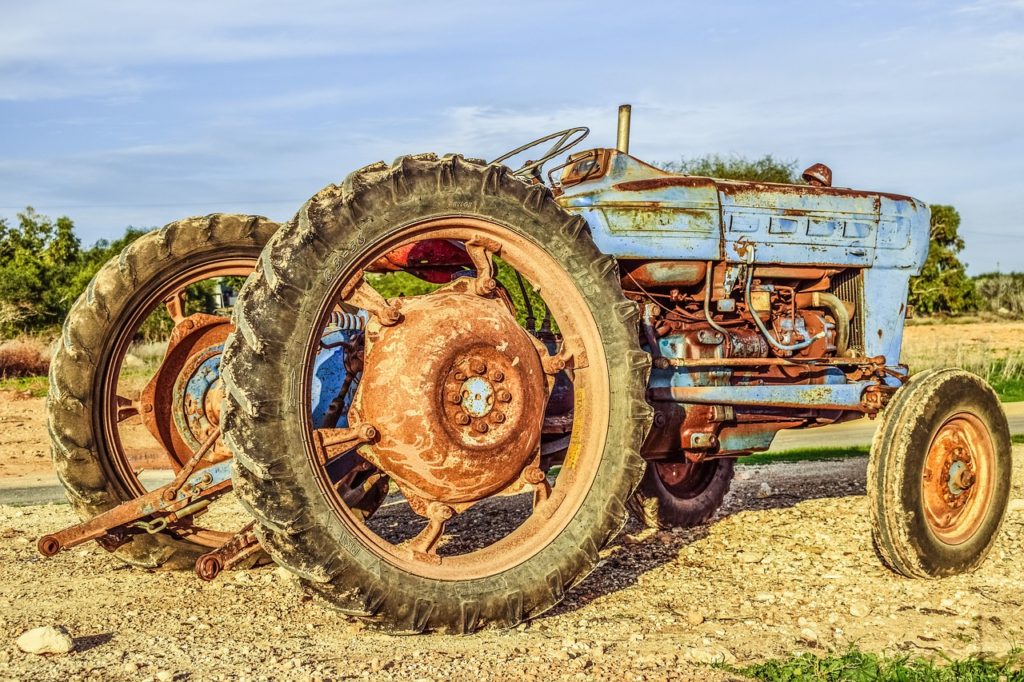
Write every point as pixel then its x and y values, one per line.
pixel 486 285
pixel 460 376
pixel 497 417
pixel 455 398
pixel 504 396
pixel 147 407
pixel 497 375
pixel 189 324
pixel 478 366
pixel 462 418
pixel 481 427
pixel 534 475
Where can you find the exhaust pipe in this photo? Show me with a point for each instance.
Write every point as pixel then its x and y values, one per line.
pixel 622 142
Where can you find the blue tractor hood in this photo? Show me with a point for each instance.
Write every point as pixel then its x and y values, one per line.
pixel 635 210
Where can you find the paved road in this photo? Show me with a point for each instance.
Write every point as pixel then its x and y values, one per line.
pixel 861 432
pixel 38 489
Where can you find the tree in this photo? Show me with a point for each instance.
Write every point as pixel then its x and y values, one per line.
pixel 943 285
pixel 765 169
pixel 43 269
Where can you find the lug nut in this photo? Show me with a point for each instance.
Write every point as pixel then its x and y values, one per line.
pixel 455 398
pixel 478 366
pixel 460 376
pixel 504 396
pixel 497 417
pixel 534 475
pixel 481 427
pixel 497 375
pixel 462 419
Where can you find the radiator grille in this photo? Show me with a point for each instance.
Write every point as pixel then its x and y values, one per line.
pixel 849 286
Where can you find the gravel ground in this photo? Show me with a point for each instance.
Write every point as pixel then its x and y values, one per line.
pixel 781 570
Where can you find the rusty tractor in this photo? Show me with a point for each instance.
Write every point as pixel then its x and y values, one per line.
pixel 444 381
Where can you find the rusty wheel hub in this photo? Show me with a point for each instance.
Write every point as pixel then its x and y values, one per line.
pixel 181 403
pixel 457 392
pixel 958 478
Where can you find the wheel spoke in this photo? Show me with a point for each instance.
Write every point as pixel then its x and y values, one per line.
pixel 126 408
pixel 175 304
pixel 360 294
pixel 424 545
pixel 332 443
pixel 481 251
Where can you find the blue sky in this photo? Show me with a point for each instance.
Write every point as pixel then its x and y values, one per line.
pixel 118 113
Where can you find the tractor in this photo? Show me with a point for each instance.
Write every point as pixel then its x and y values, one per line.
pixel 445 382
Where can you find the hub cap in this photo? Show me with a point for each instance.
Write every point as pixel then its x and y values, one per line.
pixel 958 478
pixel 457 392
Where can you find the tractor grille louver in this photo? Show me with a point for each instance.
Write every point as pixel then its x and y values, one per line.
pixel 849 286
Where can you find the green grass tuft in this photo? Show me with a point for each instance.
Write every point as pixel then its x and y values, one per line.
pixel 857 666
pixel 35 386
pixel 805 455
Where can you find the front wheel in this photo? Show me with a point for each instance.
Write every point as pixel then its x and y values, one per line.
pixel 487 524
pixel 939 475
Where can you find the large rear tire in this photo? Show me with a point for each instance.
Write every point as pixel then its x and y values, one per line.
pixel 939 475
pixel 85 446
pixel 307 530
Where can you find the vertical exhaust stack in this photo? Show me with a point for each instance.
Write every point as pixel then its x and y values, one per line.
pixel 622 141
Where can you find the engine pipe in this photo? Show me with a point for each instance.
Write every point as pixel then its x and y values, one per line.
pixel 757 318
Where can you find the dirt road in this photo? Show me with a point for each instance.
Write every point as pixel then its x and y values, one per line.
pixel 790 571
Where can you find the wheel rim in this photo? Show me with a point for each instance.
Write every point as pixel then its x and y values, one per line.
pixel 118 402
pixel 482 377
pixel 686 480
pixel 958 478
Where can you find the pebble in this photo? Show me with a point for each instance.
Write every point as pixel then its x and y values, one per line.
pixel 694 617
pixel 46 640
pixel 764 490
pixel 859 609
pixel 708 655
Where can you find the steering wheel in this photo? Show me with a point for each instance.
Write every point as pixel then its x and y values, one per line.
pixel 566 140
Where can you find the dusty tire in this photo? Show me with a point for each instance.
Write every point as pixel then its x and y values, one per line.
pixel 263 421
pixel 686 503
pixel 83 354
pixel 920 424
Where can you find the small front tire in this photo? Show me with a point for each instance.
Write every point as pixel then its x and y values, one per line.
pixel 939 475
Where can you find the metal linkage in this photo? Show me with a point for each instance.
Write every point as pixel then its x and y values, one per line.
pixel 189 493
pixel 242 548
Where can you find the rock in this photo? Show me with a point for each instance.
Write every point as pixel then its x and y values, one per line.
pixel 749 557
pixel 694 617
pixel 859 609
pixel 709 655
pixel 131 667
pixel 808 635
pixel 284 575
pixel 1016 505
pixel 164 675
pixel 46 640
pixel 764 490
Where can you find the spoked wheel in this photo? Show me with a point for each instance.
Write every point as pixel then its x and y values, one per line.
pixel 939 475
pixel 681 494
pixel 486 524
pixel 124 414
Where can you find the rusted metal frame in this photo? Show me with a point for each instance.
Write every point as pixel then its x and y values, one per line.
pixel 111 526
pixel 241 547
pixel 847 396
pixel 874 363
